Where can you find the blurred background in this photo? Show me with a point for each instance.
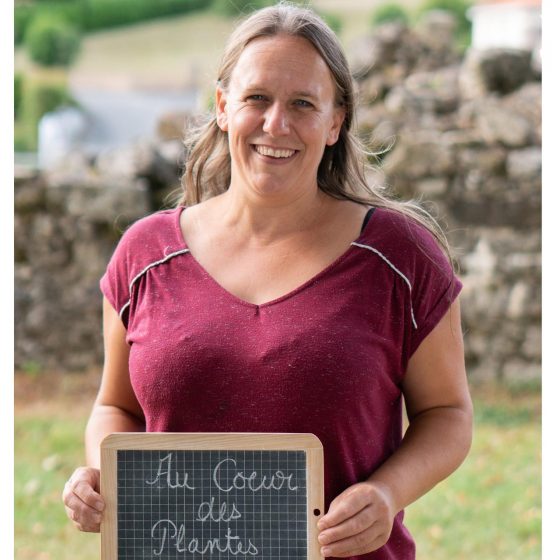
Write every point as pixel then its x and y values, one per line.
pixel 450 98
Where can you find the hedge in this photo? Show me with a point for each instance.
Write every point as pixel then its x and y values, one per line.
pixel 39 96
pixel 52 42
pixel 90 15
pixel 18 93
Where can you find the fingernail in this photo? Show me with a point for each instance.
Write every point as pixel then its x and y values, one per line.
pixel 99 506
pixel 325 551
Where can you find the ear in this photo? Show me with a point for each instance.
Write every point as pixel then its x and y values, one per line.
pixel 338 120
pixel 221 109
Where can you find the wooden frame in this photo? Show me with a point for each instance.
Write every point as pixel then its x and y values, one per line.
pixel 210 441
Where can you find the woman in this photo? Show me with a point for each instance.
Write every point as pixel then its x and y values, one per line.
pixel 285 295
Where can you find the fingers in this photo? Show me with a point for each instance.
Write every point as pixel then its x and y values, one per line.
pixel 364 532
pixel 359 521
pixel 354 526
pixel 362 543
pixel 345 505
pixel 83 503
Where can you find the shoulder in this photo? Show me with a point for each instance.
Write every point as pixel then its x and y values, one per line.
pixel 406 243
pixel 154 234
pixel 414 254
pixel 160 227
pixel 147 243
pixel 149 240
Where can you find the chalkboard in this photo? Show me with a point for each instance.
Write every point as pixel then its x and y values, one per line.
pixel 204 496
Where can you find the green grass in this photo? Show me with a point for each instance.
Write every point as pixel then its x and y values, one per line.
pixel 490 508
pixel 48 448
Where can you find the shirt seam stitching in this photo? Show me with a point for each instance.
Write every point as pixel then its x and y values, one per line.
pixel 143 271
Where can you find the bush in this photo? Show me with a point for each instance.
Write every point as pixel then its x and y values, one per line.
pixel 98 14
pixel 18 93
pixel 52 42
pixel 23 14
pixel 102 14
pixel 458 8
pixel 38 97
pixel 389 13
pixel 70 11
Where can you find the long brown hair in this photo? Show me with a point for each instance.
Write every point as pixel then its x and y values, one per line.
pixel 343 169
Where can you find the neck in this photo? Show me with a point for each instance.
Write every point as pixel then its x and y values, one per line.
pixel 263 220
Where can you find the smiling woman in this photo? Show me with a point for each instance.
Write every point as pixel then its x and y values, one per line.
pixel 279 112
pixel 286 294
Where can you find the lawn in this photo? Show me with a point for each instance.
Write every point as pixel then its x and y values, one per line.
pixel 489 509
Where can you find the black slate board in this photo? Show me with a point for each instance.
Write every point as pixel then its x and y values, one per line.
pixel 194 504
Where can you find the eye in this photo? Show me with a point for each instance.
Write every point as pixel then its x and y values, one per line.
pixel 302 103
pixel 256 97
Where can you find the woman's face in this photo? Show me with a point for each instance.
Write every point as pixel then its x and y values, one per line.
pixel 279 112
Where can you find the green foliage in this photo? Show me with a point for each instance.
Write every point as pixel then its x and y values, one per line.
pixel 69 11
pixel 389 12
pixel 459 9
pixel 99 14
pixel 239 7
pixel 334 21
pixel 23 14
pixel 52 42
pixel 18 93
pixel 39 96
pixel 32 368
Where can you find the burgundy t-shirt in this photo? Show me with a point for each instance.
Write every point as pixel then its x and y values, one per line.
pixel 327 358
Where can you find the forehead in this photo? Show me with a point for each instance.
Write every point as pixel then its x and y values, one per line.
pixel 283 60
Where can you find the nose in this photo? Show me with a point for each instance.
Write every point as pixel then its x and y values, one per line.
pixel 276 121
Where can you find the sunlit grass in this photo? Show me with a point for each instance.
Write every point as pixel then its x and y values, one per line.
pixel 491 507
pixel 48 446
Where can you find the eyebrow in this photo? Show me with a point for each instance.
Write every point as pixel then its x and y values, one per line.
pixel 257 87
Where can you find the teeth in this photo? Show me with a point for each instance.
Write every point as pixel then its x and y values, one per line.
pixel 266 151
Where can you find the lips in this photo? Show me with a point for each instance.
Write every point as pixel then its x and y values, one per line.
pixel 277 153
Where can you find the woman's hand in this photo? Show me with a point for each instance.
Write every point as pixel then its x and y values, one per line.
pixel 82 500
pixel 359 520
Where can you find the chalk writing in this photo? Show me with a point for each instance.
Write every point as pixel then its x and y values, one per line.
pixel 241 481
pixel 206 511
pixel 167 532
pixel 164 471
pixel 202 505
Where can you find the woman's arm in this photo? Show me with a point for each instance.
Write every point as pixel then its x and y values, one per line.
pixel 116 409
pixel 437 441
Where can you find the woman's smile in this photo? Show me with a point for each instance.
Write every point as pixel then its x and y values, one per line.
pixel 275 155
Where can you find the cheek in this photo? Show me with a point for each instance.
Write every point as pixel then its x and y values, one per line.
pixel 317 132
pixel 243 120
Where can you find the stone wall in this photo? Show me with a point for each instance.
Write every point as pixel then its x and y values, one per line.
pixel 463 133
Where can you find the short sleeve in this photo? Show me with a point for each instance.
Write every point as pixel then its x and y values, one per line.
pixel 147 242
pixel 114 284
pixel 434 286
